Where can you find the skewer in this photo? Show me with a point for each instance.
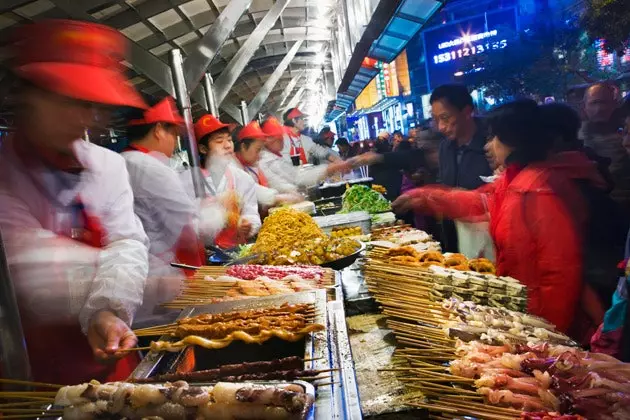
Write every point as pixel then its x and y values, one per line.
pixel 29 383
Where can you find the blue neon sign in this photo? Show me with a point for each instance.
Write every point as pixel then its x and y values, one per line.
pixel 448 47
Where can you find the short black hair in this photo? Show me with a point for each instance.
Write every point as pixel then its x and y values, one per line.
pixel 518 125
pixel 342 141
pixel 398 132
pixel 456 95
pixel 562 122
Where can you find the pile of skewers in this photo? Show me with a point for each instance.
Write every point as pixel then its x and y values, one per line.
pixel 168 401
pixel 253 326
pixel 388 276
pixel 222 284
pixel 383 239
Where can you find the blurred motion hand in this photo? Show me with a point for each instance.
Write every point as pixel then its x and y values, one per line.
pixel 108 335
pixel 341 166
pixel 365 159
pixel 289 198
pixel 406 203
pixel 244 228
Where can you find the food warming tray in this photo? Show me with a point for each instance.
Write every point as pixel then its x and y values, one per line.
pixel 316 347
pixel 308 389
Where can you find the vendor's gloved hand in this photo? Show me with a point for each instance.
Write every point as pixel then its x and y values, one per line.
pixel 109 336
pixel 244 228
pixel 289 198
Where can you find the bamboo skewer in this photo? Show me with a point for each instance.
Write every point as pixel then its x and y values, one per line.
pixel 29 383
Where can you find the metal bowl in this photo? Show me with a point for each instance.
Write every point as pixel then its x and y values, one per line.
pixel 346 261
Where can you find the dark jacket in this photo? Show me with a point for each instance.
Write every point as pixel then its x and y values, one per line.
pixel 463 174
pixel 473 162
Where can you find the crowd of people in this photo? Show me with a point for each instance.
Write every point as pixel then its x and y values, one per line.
pixel 91 235
pixel 547 188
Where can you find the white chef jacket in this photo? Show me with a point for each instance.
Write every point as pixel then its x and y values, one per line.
pixel 244 187
pixel 266 196
pixel 311 149
pixel 57 278
pixel 165 209
pixel 286 178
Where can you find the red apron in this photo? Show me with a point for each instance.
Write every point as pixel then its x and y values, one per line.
pixel 229 237
pixel 297 148
pixel 189 249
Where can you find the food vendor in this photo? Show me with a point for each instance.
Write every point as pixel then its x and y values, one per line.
pixel 166 211
pixel 77 253
pixel 280 173
pixel 232 191
pixel 300 148
pixel 249 142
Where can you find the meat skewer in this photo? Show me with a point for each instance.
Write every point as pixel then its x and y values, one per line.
pixel 212 375
pixel 179 400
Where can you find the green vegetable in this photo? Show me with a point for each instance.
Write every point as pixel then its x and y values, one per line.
pixel 244 250
pixel 362 198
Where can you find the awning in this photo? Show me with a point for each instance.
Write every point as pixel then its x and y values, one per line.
pixel 393 24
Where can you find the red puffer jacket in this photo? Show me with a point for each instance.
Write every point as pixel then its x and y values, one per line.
pixel 537 214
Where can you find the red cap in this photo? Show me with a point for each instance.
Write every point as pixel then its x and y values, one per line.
pixel 295 113
pixel 208 124
pixel 273 128
pixel 79 60
pixel 164 111
pixel 329 135
pixel 251 131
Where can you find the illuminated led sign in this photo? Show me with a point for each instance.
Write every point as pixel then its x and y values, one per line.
pixel 449 47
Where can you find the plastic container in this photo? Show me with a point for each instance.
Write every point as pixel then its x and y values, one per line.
pixel 358 218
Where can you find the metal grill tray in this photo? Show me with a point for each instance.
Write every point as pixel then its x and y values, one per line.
pixel 316 347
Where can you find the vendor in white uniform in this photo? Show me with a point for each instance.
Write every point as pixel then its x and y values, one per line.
pixel 166 210
pixel 249 143
pixel 76 251
pixel 280 172
pixel 299 147
pixel 232 190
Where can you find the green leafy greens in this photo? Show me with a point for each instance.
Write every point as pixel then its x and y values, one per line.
pixel 363 198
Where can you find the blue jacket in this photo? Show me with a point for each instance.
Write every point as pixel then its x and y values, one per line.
pixel 472 163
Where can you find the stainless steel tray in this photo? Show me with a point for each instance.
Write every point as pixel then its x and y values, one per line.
pixel 315 343
pixel 317 347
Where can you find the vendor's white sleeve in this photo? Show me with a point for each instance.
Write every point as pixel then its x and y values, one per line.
pixel 315 150
pixel 286 178
pixel 266 196
pixel 246 189
pixel 123 263
pixel 212 219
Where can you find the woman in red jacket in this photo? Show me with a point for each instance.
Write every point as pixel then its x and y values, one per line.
pixel 535 208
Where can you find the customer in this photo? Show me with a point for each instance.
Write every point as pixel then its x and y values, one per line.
pixel 613 336
pixel 397 139
pixel 345 151
pixel 600 132
pixel 537 213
